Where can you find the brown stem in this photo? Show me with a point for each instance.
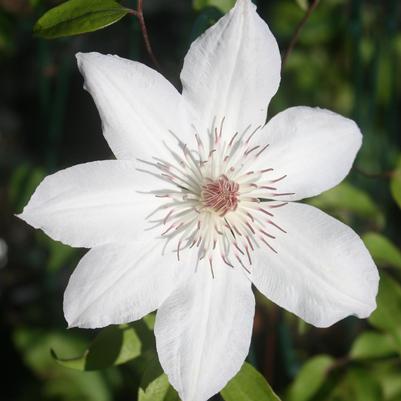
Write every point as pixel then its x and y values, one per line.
pixel 383 175
pixel 339 363
pixel 138 13
pixel 297 32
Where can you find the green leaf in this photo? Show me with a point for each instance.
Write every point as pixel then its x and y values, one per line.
pixel 248 385
pixel 58 383
pixel 303 4
pixel 345 199
pixel 310 378
pixel 222 5
pixel 372 345
pixel 383 251
pixel 154 384
pixel 395 183
pixel 387 373
pixel 23 183
pixel 59 255
pixel 79 16
pixel 387 315
pixel 205 20
pixel 114 345
pixel 358 385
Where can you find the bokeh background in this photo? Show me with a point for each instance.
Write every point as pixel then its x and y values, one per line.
pixel 347 59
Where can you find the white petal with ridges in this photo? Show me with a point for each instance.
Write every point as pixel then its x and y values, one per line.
pixel 94 203
pixel 137 105
pixel 322 271
pixel 233 70
pixel 203 331
pixel 119 283
pixel 315 148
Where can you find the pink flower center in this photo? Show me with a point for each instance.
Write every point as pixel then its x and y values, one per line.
pixel 220 195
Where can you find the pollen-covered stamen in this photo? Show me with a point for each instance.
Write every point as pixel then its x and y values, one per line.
pixel 220 195
pixel 215 204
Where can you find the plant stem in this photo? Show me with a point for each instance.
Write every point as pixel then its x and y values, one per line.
pixel 138 13
pixel 297 32
pixel 382 175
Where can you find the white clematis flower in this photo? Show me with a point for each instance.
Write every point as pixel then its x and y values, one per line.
pixel 199 205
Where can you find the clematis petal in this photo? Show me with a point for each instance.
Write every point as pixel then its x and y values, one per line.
pixel 93 203
pixel 203 331
pixel 233 70
pixel 314 148
pixel 322 271
pixel 137 105
pixel 119 283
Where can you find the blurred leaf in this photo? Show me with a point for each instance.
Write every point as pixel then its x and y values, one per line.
pixel 154 384
pixel 23 184
pixel 365 386
pixel 358 385
pixel 79 16
pixel 114 345
pixel 395 183
pixel 387 316
pixel 303 4
pixel 387 374
pixel 206 19
pixel 35 3
pixel 372 345
pixel 285 16
pixel 310 378
pixel 347 198
pixel 7 41
pixel 222 5
pixel 248 385
pixel 383 251
pixel 60 255
pixel 60 384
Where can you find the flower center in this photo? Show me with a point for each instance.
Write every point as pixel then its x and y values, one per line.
pixel 215 202
pixel 220 195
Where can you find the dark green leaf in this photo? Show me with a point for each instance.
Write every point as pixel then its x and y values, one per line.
pixel 79 16
pixel 114 345
pixel 303 4
pixel 365 387
pixel 155 385
pixel 205 20
pixel 387 373
pixel 310 378
pixel 387 316
pixel 395 183
pixel 222 5
pixel 358 385
pixel 372 345
pixel 383 251
pixel 23 183
pixel 248 385
pixel 344 199
pixel 61 384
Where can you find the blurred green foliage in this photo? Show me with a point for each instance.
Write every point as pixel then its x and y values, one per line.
pixel 248 385
pixel 347 59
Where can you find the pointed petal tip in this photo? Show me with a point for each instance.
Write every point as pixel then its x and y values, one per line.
pixel 71 326
pixel 245 3
pixel 20 215
pixel 86 57
pixel 25 216
pixel 361 314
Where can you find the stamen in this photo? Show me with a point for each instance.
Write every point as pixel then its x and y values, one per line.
pixel 212 196
pixel 220 196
